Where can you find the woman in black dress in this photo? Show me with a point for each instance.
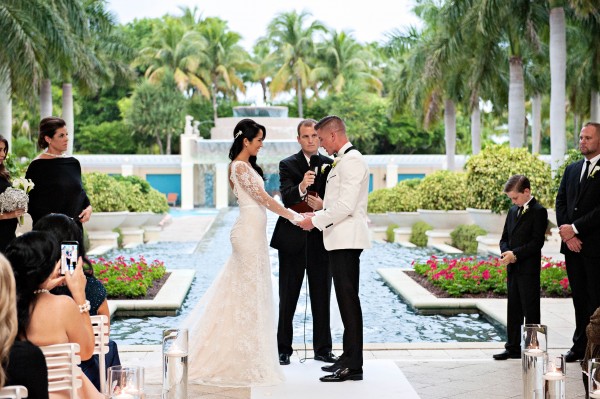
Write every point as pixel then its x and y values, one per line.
pixel 57 177
pixel 8 220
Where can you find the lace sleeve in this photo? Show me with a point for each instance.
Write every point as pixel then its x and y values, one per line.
pixel 248 181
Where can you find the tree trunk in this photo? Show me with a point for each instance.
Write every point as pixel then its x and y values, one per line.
pixel 595 107
pixel 476 130
pixel 6 110
pixel 450 133
pixel 169 144
pixel 67 113
pixel 576 129
pixel 46 99
pixel 213 90
pixel 536 123
pixel 263 84
pixel 299 95
pixel 516 103
pixel 160 144
pixel 558 78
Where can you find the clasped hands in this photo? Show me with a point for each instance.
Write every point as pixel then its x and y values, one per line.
pixel 306 223
pixel 507 257
pixel 567 234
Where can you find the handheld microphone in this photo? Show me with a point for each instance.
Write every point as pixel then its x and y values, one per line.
pixel 314 165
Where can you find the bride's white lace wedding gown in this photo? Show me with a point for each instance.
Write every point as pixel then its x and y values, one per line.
pixel 232 330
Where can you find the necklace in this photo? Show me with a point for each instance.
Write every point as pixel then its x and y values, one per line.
pixel 41 291
pixel 61 155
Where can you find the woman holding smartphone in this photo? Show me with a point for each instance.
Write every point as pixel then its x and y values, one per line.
pixel 47 319
pixel 53 172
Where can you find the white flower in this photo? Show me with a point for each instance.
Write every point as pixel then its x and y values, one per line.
pixel 594 170
pixel 335 161
pixel 23 184
pixel 12 199
pixel 525 207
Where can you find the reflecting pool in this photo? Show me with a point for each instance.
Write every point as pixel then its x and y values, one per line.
pixel 386 317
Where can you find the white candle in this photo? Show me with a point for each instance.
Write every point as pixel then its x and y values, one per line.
pixel 554 376
pixel 534 352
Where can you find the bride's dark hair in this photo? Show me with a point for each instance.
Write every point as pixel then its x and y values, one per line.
pixel 246 128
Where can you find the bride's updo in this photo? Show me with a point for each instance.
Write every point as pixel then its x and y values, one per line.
pixel 246 129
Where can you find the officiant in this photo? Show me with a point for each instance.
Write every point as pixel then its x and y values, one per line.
pixel 302 185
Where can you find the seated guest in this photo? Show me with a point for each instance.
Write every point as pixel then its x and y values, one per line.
pixel 22 362
pixel 44 318
pixel 63 228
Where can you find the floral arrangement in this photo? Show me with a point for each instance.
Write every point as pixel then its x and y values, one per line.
pixel 14 198
pixel 469 275
pixel 25 185
pixel 127 277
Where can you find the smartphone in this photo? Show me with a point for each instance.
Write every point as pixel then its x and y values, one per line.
pixel 68 256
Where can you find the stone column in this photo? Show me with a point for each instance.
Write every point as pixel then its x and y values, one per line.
pixel 391 175
pixel 221 186
pixel 188 142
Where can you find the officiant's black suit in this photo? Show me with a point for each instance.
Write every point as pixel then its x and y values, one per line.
pixel 299 250
pixel 579 204
pixel 524 235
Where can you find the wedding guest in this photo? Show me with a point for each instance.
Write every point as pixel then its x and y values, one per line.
pixel 44 318
pixel 521 252
pixel 301 251
pixel 63 228
pixel 54 172
pixel 343 221
pixel 578 218
pixel 8 220
pixel 22 362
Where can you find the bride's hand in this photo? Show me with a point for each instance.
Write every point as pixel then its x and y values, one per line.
pixel 296 217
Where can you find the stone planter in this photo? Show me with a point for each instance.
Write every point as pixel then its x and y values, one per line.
pixel 378 219
pixel 444 220
pixel 105 221
pixel 552 217
pixel 404 219
pixel 135 220
pixel 131 228
pixel 152 227
pixel 491 222
pixel 154 219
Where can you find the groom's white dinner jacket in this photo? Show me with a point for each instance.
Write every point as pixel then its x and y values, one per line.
pixel 343 219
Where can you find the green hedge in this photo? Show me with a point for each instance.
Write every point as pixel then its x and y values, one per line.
pixel 401 198
pixel 117 193
pixel 464 237
pixel 417 234
pixel 488 171
pixel 443 190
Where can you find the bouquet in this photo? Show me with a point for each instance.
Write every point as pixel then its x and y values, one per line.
pixel 16 197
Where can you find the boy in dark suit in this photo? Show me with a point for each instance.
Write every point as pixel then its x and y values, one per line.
pixel 521 245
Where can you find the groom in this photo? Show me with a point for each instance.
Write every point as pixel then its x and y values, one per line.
pixel 343 221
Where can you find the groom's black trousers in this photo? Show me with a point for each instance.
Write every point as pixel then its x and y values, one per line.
pixel 345 269
pixel 291 274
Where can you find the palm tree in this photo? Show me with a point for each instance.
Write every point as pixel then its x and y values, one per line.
pixel 558 75
pixel 294 46
pixel 263 65
pixel 223 58
pixel 342 62
pixel 174 48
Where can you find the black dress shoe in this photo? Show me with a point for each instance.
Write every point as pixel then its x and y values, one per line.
pixel 284 359
pixel 329 357
pixel 332 368
pixel 506 355
pixel 344 374
pixel 571 357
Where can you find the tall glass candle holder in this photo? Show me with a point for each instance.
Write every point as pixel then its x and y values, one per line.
pixel 125 382
pixel 594 378
pixel 175 363
pixel 555 370
pixel 534 345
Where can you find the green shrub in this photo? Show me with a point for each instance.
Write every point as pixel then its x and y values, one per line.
pixel 573 155
pixel 488 171
pixel 401 198
pixel 443 190
pixel 157 202
pixel 389 233
pixel 105 193
pixel 464 237
pixel 379 200
pixel 417 233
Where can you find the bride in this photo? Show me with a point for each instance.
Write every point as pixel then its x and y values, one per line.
pixel 232 329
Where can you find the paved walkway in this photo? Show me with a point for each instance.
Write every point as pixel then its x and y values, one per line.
pixel 436 371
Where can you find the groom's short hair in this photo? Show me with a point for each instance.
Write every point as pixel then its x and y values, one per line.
pixel 517 183
pixel 333 121
pixel 305 122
